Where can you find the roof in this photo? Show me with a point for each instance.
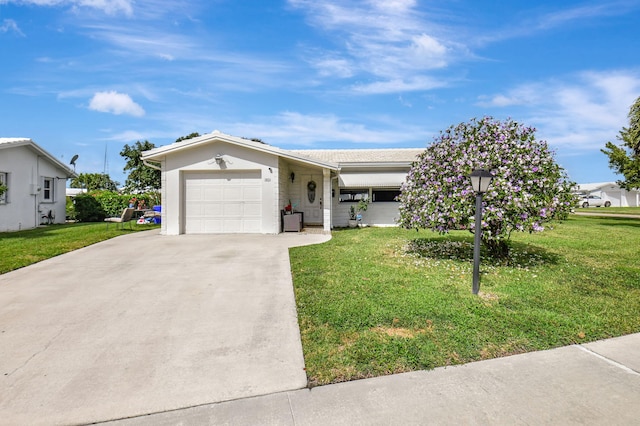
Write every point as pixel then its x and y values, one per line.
pixel 363 156
pixel 590 187
pixel 158 153
pixel 6 143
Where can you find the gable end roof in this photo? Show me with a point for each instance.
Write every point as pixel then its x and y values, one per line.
pixel 6 143
pixel 157 153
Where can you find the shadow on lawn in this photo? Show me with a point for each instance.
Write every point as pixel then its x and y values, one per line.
pixel 461 248
pixel 56 228
pixel 615 221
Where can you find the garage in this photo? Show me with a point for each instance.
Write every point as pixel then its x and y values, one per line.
pixel 222 202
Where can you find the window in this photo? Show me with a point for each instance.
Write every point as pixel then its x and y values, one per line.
pixel 4 183
pixel 380 195
pixel 353 195
pixel 47 189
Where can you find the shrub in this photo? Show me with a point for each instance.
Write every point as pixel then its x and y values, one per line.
pixel 112 203
pixel 87 208
pixel 528 189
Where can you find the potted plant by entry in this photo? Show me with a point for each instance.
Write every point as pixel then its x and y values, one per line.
pixel 355 210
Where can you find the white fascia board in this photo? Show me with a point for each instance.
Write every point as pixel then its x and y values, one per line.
pixel 39 151
pixel 158 153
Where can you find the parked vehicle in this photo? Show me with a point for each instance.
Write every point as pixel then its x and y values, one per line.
pixel 594 201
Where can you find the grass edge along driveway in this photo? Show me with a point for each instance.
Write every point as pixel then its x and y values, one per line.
pixel 378 301
pixel 22 248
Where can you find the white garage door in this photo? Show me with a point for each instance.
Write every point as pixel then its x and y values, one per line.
pixel 223 202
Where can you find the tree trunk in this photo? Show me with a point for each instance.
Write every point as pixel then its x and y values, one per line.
pixel 497 248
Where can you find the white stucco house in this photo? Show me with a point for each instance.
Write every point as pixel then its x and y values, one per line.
pixel 35 182
pixel 611 191
pixel 218 183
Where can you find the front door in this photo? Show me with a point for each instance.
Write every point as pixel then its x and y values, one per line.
pixel 311 198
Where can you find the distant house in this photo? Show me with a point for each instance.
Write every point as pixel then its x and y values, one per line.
pixel 611 191
pixel 218 183
pixel 35 182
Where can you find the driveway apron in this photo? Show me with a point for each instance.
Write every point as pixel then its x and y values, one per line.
pixel 147 323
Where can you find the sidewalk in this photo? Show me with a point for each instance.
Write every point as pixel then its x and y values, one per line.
pixel 591 384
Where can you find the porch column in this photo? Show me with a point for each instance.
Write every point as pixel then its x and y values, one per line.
pixel 326 199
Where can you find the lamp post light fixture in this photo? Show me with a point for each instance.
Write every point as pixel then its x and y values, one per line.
pixel 480 181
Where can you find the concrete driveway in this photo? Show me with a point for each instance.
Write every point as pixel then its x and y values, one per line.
pixel 146 323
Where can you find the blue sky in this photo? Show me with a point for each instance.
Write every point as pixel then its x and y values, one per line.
pixel 88 76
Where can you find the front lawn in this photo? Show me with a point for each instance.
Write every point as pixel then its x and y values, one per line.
pixel 617 210
pixel 22 248
pixel 377 301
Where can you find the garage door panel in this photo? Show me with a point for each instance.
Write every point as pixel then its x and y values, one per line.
pixel 252 226
pixel 212 226
pixel 232 209
pixel 212 193
pixel 252 210
pixel 213 210
pixel 223 202
pixel 232 193
pixel 251 193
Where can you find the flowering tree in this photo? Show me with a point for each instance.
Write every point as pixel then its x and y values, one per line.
pixel 528 189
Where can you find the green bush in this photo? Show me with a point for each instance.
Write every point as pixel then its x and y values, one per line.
pixel 71 209
pixel 112 203
pixel 88 209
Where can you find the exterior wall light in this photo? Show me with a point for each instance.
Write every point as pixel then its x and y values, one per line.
pixel 480 181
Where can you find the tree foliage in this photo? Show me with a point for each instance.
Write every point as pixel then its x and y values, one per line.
pixel 94 181
pixel 141 178
pixel 189 136
pixel 625 159
pixel 529 187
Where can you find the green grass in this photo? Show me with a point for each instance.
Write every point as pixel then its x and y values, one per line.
pixel 22 248
pixel 377 301
pixel 620 210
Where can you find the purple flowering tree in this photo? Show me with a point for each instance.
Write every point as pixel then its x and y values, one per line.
pixel 528 189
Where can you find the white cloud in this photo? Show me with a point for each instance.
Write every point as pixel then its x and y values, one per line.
pixel 337 67
pixel 10 25
pixel 561 18
pixel 391 41
pixel 399 85
pixel 115 103
pixel 128 136
pixel 586 12
pixel 110 7
pixel 579 112
pixel 143 40
pixel 295 129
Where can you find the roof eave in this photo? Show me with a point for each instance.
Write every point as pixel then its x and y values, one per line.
pixel 158 153
pixel 376 164
pixel 40 151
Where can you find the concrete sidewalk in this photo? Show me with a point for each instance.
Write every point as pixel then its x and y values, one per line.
pixel 591 384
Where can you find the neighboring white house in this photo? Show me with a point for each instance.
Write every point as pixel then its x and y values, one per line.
pixel 36 183
pixel 217 183
pixel 611 191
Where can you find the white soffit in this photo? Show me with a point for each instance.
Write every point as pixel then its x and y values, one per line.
pixel 372 179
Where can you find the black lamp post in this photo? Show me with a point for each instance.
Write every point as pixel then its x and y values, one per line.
pixel 480 181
